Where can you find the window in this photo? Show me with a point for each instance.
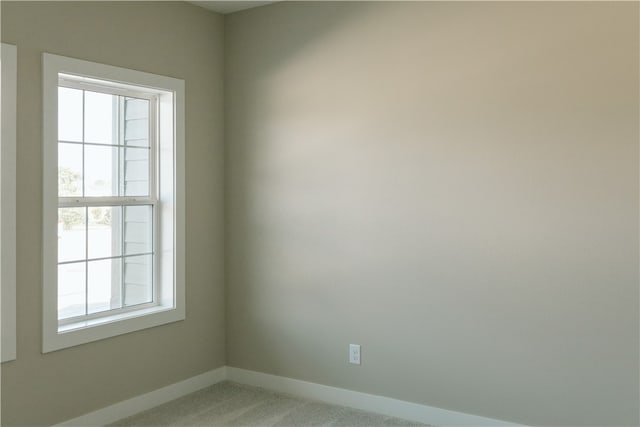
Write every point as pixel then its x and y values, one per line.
pixel 8 54
pixel 113 201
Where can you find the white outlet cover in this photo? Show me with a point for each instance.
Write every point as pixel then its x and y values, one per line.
pixel 354 354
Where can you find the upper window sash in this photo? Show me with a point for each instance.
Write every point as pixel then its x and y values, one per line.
pixel 128 92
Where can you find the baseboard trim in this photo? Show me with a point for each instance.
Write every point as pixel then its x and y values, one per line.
pixel 333 395
pixel 137 404
pixel 366 402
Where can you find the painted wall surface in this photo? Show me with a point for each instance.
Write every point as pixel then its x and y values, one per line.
pixel 169 38
pixel 454 186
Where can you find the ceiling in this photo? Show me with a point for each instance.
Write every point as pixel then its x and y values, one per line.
pixel 229 6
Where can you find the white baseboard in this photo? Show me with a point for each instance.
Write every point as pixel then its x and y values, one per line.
pixel 366 402
pixel 333 395
pixel 149 400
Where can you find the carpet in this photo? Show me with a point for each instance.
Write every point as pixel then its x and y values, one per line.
pixel 231 404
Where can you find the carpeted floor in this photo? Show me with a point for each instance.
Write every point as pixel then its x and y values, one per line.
pixel 230 404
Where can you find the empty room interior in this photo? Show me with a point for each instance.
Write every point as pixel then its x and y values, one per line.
pixel 320 213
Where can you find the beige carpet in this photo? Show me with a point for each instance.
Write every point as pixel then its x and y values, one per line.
pixel 230 404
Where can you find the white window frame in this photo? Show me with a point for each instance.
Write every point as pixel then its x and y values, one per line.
pixel 8 57
pixel 170 253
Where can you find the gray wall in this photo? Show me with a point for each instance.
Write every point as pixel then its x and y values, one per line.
pixel 174 39
pixel 454 186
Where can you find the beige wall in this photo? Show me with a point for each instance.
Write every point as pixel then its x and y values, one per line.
pixel 454 186
pixel 174 39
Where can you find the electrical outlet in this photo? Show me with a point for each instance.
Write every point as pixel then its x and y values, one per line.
pixel 354 354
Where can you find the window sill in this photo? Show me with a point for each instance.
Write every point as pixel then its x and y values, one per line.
pixel 86 331
pixel 69 327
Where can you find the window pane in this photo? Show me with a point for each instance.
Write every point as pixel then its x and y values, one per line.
pixel 100 171
pixel 138 224
pixel 71 290
pixel 136 118
pixel 104 288
pixel 138 279
pixel 136 130
pixel 105 231
pixel 69 114
pixel 71 234
pixel 69 170
pixel 99 121
pixel 135 171
pixel 136 108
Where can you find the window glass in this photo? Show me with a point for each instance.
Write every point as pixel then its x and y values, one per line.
pixel 100 171
pixel 137 277
pixel 71 234
pixel 104 285
pixel 99 112
pixel 136 117
pixel 139 229
pixel 103 151
pixel 69 170
pixel 135 171
pixel 69 114
pixel 104 231
pixel 71 290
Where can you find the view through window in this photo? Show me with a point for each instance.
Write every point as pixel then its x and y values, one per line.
pixel 106 200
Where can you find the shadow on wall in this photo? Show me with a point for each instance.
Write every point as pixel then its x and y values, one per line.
pixel 450 184
pixel 272 59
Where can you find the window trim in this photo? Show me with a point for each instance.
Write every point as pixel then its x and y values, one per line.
pixel 171 228
pixel 8 57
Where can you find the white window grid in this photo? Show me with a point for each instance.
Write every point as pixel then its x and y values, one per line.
pixel 83 84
